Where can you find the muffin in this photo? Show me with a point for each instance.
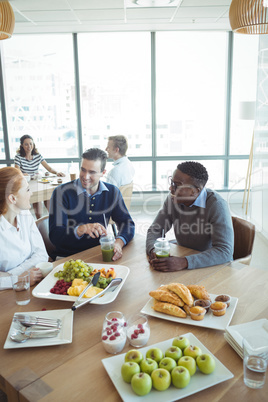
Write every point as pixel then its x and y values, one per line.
pixel 203 303
pixel 224 298
pixel 218 308
pixel 197 313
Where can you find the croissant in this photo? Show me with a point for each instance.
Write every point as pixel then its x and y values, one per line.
pixel 168 308
pixel 199 292
pixel 183 292
pixel 166 296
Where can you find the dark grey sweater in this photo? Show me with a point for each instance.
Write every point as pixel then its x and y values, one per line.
pixel 208 230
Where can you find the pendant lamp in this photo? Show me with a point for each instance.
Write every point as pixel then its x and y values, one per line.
pixel 249 16
pixel 7 20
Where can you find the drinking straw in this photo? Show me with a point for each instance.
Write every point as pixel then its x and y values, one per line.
pixel 163 233
pixel 105 222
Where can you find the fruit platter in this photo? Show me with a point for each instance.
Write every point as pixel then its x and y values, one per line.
pixel 166 371
pixel 66 281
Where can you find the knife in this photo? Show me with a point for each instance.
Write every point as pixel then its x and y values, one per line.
pixel 111 287
pixel 92 283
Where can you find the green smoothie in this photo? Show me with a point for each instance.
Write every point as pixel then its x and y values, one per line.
pixel 107 254
pixel 162 254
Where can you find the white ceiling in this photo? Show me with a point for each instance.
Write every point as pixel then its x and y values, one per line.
pixel 41 16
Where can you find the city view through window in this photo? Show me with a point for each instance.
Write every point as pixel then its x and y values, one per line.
pixel 166 92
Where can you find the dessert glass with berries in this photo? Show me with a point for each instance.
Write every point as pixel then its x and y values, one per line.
pixel 138 330
pixel 114 334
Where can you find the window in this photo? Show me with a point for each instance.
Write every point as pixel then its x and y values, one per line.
pixel 190 88
pixel 116 89
pixel 178 114
pixel 39 76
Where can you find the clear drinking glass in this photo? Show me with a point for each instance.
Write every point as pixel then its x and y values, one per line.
pixel 107 247
pixel 255 358
pixel 138 330
pixel 114 332
pixel 21 287
pixel 162 247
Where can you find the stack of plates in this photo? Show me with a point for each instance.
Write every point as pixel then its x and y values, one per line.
pixel 234 334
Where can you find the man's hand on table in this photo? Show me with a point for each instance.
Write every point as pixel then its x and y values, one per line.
pixel 167 264
pixel 118 249
pixel 92 229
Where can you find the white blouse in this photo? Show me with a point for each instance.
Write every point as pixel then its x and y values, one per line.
pixel 21 248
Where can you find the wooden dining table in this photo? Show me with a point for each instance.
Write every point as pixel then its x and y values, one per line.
pixel 74 371
pixel 42 191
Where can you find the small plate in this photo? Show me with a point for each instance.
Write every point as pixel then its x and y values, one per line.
pixel 240 331
pixel 197 383
pixel 42 290
pixel 233 345
pixel 209 321
pixel 65 335
pixel 45 182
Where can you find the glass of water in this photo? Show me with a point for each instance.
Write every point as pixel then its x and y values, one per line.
pixel 255 359
pixel 21 288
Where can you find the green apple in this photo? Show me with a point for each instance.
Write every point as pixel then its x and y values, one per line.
pixel 155 354
pixel 174 352
pixel 189 363
pixel 167 363
pixel 206 363
pixel 192 351
pixel 133 355
pixel 180 377
pixel 128 369
pixel 161 379
pixel 141 384
pixel 181 342
pixel 148 365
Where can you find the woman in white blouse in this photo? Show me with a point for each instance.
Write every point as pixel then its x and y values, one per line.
pixel 21 244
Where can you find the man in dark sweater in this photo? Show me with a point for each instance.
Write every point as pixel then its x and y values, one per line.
pixel 80 209
pixel 201 221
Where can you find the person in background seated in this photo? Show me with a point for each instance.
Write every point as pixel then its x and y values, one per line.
pixel 22 246
pixel 200 218
pixel 28 160
pixel 80 209
pixel 123 171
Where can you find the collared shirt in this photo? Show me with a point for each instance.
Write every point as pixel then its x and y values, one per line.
pixel 22 247
pixel 122 173
pixel 82 190
pixel 201 199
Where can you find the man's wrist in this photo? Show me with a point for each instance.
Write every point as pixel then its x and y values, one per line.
pixel 80 230
pixel 120 242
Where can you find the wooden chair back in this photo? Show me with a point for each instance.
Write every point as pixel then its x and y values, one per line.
pixel 43 228
pixel 244 234
pixel 126 192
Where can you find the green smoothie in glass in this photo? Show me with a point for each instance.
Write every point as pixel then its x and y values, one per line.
pixel 107 247
pixel 162 248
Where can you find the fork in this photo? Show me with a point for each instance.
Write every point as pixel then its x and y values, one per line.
pixel 28 321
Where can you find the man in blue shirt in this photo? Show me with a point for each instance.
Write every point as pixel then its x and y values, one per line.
pixel 80 209
pixel 200 218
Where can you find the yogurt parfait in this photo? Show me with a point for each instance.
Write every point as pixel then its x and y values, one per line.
pixel 114 332
pixel 138 330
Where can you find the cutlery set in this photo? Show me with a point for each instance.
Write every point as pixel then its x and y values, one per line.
pixel 28 327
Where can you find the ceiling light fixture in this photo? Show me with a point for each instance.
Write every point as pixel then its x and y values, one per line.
pixel 249 16
pixel 7 20
pixel 153 3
